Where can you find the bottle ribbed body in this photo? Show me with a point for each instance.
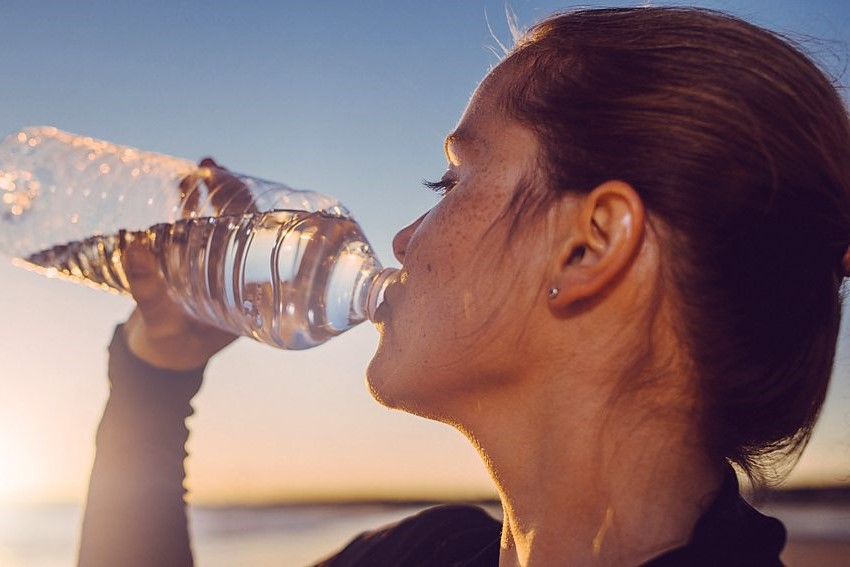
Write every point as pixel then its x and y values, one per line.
pixel 288 268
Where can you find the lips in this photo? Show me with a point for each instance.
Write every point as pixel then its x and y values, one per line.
pixel 382 311
pixel 390 296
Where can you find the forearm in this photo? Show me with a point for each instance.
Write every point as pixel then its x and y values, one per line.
pixel 135 512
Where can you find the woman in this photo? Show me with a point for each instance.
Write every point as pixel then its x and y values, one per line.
pixel 631 282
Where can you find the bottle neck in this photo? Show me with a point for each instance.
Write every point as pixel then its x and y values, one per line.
pixel 379 285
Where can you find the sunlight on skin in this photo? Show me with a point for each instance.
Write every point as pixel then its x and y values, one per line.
pixel 603 529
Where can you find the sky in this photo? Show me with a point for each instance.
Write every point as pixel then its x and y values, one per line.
pixel 352 99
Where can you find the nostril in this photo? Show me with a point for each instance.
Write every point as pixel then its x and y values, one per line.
pixel 400 244
pixel 402 239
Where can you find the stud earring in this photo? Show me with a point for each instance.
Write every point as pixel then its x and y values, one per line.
pixel 553 292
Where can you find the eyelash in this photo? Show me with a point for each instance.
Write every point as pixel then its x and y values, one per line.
pixel 442 186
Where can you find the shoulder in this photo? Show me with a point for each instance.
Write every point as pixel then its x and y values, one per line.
pixel 449 517
pixel 442 535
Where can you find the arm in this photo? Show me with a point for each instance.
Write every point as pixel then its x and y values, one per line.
pixel 135 513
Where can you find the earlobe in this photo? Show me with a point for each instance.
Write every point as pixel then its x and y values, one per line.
pixel 604 241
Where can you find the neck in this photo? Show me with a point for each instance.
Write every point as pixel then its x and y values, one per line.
pixel 580 486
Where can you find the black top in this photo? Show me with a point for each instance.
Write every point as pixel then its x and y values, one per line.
pixel 730 533
pixel 136 516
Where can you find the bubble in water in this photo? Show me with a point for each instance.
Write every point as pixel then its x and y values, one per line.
pixel 253 313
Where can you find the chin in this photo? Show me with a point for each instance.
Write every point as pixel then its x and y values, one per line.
pixel 377 381
pixel 382 374
pixel 387 387
pixel 384 386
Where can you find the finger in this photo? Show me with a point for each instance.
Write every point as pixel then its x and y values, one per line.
pixel 190 193
pixel 139 261
pixel 161 314
pixel 227 193
pixel 142 269
pixel 190 187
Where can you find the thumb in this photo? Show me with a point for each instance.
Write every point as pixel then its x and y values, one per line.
pixel 161 314
pixel 142 271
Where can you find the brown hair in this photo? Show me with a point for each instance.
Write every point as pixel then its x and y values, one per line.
pixel 740 145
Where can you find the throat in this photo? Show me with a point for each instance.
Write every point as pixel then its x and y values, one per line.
pixel 571 507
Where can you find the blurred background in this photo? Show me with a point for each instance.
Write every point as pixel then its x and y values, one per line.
pixel 350 99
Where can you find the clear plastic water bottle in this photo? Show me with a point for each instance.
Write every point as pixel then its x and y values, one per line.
pixel 288 268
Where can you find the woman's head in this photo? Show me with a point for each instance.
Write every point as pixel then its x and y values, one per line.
pixel 739 149
pixel 437 324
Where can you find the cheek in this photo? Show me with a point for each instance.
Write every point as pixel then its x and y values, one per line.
pixel 451 337
pixel 436 254
pixel 455 302
pixel 455 233
pixel 458 253
pixel 457 288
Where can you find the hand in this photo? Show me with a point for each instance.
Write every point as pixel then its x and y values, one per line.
pixel 213 190
pixel 159 331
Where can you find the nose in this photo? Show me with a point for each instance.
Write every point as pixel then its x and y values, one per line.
pixel 402 239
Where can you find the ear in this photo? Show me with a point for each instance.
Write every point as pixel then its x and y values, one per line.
pixel 602 243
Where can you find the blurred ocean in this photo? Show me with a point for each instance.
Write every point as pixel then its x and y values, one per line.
pixel 296 535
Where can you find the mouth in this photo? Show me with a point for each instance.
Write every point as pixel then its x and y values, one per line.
pixel 381 313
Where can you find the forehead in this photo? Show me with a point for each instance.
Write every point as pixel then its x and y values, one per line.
pixel 485 106
pixel 486 127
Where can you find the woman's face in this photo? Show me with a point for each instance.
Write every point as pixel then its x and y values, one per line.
pixel 452 325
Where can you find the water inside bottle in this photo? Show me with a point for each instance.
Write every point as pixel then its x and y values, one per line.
pixel 293 279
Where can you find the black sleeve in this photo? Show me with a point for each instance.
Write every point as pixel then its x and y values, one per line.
pixel 135 513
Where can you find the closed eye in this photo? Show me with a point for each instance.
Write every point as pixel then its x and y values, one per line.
pixel 442 186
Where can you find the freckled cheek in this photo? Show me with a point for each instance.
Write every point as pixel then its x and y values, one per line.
pixel 448 243
pixel 435 258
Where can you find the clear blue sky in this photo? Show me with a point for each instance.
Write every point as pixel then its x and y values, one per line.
pixel 348 98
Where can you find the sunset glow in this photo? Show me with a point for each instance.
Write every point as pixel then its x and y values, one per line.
pixel 336 98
